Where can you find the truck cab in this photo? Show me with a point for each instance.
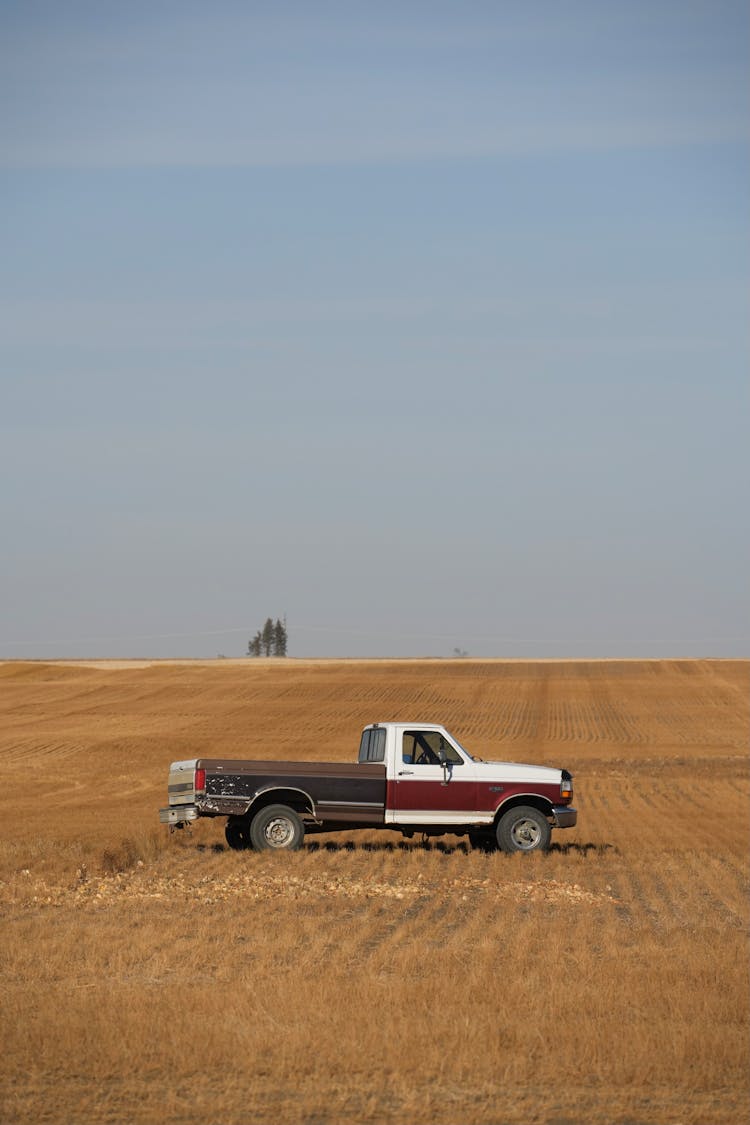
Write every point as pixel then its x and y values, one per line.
pixel 431 780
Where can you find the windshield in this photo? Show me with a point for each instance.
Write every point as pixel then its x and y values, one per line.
pixel 464 751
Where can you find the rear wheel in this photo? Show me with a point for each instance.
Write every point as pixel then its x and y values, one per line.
pixel 236 833
pixel 523 829
pixel 277 826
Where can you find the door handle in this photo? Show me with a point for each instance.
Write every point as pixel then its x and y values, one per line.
pixel 406 773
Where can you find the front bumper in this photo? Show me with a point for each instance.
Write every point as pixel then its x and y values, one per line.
pixel 178 814
pixel 563 816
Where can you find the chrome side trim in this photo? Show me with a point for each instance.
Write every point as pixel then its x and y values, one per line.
pixel 467 818
pixel 351 804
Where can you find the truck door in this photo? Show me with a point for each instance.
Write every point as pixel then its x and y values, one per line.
pixel 433 782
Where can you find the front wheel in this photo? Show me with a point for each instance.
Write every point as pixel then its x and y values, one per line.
pixel 276 826
pixel 523 829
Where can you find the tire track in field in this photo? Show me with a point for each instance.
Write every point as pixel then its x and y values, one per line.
pixel 634 896
pixel 619 883
pixel 380 937
pixel 40 752
pixel 736 870
pixel 708 876
pixel 669 900
pixel 676 896
pixel 606 819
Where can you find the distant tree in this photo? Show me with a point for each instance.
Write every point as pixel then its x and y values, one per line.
pixel 279 638
pixel 255 646
pixel 271 640
pixel 267 637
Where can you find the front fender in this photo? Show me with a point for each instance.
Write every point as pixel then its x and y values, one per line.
pixel 534 800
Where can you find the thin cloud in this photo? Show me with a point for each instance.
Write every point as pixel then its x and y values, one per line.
pixel 240 89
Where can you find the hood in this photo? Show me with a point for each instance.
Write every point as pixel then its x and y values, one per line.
pixel 519 771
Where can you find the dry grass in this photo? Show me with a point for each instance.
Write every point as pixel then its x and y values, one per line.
pixel 153 978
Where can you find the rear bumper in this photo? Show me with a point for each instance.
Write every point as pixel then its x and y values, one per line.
pixel 178 814
pixel 563 816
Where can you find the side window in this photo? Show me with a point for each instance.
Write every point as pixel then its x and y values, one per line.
pixel 407 747
pixel 372 746
pixel 423 747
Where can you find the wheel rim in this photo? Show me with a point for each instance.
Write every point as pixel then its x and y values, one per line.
pixel 279 832
pixel 526 834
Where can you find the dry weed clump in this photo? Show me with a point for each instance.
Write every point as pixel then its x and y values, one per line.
pixel 133 851
pixel 156 978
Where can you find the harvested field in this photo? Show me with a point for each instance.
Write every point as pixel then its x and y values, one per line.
pixel 153 978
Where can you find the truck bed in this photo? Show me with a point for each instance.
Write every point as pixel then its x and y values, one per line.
pixel 341 791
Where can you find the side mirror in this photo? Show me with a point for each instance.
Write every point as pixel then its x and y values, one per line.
pixel 447 765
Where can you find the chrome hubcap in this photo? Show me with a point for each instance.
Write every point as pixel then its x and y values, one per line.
pixel 526 834
pixel 279 832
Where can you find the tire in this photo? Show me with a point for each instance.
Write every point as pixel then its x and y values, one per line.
pixel 276 827
pixel 523 829
pixel 236 833
pixel 483 841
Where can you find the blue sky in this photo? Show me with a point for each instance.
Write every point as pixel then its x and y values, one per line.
pixel 424 324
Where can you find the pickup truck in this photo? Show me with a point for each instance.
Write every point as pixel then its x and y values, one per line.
pixel 409 777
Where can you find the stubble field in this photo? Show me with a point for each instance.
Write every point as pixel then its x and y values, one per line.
pixel 154 978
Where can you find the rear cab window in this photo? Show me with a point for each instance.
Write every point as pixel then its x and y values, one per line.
pixel 372 745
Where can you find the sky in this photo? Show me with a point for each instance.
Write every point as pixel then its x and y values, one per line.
pixel 423 325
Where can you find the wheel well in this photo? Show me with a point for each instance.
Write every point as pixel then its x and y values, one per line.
pixel 295 799
pixel 529 800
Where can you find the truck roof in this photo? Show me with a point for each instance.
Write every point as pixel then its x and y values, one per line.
pixel 407 723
